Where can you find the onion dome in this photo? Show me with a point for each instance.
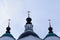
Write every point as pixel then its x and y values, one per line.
pixel 8 34
pixel 28 20
pixel 28 29
pixel 51 33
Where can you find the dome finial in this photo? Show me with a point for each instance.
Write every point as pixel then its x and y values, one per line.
pixel 50 28
pixel 28 19
pixel 49 22
pixel 8 28
pixel 28 13
pixel 9 22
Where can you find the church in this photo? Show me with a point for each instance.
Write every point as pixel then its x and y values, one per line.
pixel 29 33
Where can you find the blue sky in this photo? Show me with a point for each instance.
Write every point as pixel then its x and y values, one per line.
pixel 41 11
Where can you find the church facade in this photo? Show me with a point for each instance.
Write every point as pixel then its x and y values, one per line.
pixel 29 33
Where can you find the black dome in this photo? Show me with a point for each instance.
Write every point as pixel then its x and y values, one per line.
pixel 28 20
pixel 27 34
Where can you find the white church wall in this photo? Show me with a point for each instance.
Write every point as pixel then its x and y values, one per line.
pixel 52 38
pixel 30 38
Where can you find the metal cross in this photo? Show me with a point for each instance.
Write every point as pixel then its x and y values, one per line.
pixel 28 13
pixel 49 22
pixel 9 22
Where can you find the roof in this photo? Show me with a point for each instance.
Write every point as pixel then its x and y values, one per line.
pixel 25 34
pixel 51 34
pixel 8 35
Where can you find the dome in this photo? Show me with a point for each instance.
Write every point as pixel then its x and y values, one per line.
pixel 51 34
pixel 25 34
pixel 28 20
pixel 28 29
pixel 8 35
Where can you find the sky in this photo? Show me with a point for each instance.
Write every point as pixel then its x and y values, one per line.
pixel 40 12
